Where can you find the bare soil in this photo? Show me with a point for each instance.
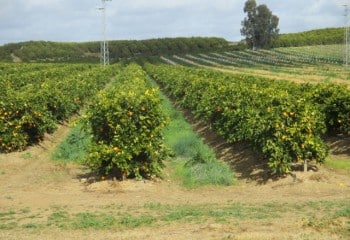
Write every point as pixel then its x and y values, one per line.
pixel 31 180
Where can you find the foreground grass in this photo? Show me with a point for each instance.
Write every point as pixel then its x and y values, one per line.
pixel 195 162
pixel 324 216
pixel 339 164
pixel 74 147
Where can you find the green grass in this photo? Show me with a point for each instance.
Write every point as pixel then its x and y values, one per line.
pixel 6 214
pixel 130 221
pixel 74 147
pixel 332 215
pixel 95 221
pixel 26 155
pixel 138 216
pixel 58 219
pixel 180 138
pixel 339 164
pixel 195 162
pixel 201 174
pixel 334 220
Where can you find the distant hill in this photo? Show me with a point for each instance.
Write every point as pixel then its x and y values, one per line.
pixel 314 37
pixel 42 51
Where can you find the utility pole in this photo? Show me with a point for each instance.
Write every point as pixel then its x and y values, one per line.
pixel 104 55
pixel 346 37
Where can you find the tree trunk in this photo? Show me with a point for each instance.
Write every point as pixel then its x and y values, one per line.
pixel 305 165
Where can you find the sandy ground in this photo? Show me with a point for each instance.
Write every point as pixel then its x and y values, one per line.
pixel 30 180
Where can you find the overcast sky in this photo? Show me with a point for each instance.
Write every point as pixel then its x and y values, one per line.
pixel 80 20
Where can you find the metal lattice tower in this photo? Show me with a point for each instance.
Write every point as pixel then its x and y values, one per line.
pixel 104 55
pixel 346 37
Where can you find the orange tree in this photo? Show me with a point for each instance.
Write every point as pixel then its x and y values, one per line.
pixel 35 97
pixel 334 101
pixel 280 119
pixel 126 122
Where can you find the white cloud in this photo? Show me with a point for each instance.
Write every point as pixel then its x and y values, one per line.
pixel 79 20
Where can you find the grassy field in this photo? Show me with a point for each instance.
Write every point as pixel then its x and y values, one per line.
pixel 316 215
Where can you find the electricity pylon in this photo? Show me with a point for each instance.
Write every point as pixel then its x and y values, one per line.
pixel 104 55
pixel 346 37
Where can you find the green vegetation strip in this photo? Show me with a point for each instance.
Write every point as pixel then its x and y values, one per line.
pixel 339 164
pixel 195 162
pixel 318 215
pixel 74 147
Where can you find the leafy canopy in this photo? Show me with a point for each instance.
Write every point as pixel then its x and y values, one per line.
pixel 260 26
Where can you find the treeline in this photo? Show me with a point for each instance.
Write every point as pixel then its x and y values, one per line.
pixel 43 51
pixel 313 37
pixel 164 46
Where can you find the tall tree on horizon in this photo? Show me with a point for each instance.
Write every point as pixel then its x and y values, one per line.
pixel 260 26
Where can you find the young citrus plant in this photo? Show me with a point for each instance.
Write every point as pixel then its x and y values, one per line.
pixel 126 122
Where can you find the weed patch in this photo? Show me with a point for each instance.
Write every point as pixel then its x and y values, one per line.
pixel 195 162
pixel 339 164
pixel 93 220
pixel 74 147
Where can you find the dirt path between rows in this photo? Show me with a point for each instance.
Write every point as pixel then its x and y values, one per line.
pixel 30 180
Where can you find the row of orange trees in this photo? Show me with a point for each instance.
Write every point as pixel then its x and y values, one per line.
pixel 282 120
pixel 126 122
pixel 35 97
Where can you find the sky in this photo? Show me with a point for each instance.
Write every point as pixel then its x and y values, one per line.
pixel 81 20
